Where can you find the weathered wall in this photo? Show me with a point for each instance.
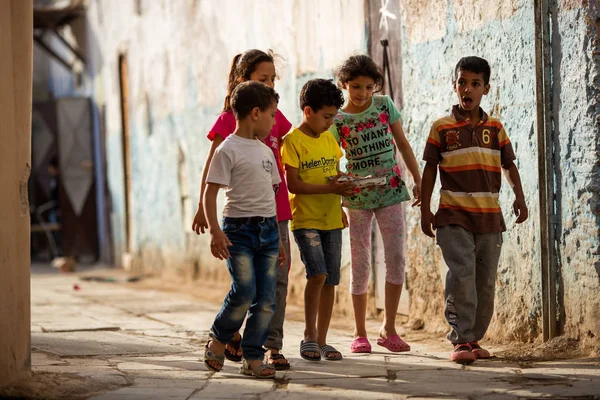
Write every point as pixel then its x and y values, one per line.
pixel 178 56
pixel 16 37
pixel 576 65
pixel 436 34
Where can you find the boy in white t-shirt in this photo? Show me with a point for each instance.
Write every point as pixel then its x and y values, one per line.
pixel 249 237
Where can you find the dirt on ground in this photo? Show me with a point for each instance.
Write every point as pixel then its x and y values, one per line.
pixel 558 348
pixel 45 385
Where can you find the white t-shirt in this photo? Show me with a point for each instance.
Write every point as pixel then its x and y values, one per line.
pixel 249 170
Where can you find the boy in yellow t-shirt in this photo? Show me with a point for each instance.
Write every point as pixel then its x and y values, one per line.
pixel 311 157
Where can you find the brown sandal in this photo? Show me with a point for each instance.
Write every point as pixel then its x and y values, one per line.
pixel 236 344
pixel 272 359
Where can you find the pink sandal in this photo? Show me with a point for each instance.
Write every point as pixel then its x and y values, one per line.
pixel 478 351
pixel 360 345
pixel 394 343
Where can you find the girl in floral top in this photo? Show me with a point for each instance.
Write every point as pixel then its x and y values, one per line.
pixel 369 130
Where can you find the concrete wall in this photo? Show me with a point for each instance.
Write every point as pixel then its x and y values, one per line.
pixel 178 56
pixel 16 36
pixel 577 141
pixel 436 34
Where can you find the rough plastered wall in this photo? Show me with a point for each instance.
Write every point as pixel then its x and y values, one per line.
pixel 436 34
pixel 178 56
pixel 16 44
pixel 576 64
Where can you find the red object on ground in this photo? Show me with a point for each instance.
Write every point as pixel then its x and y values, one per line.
pixel 76 287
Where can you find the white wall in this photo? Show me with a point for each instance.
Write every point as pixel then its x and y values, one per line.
pixel 179 56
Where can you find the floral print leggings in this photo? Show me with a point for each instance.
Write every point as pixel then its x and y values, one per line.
pixel 391 225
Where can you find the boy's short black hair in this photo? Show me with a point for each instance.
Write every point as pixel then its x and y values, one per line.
pixel 476 65
pixel 319 93
pixel 248 95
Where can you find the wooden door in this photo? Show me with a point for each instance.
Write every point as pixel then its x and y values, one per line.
pixel 77 181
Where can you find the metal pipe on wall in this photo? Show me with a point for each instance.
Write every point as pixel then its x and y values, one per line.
pixel 543 86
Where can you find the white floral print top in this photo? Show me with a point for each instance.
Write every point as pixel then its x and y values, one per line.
pixel 370 150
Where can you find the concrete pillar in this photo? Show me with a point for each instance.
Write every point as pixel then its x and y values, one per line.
pixel 16 52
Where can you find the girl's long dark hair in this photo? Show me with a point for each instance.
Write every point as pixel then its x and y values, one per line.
pixel 360 65
pixel 242 66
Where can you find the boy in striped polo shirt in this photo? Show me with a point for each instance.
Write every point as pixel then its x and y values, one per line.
pixel 471 149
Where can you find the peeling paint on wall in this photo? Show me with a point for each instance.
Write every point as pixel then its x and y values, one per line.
pixel 424 22
pixel 471 15
pixel 179 56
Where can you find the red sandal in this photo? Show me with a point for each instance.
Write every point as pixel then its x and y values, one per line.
pixel 479 352
pixel 463 354
pixel 394 343
pixel 360 345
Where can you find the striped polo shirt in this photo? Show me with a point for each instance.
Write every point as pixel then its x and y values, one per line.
pixel 470 164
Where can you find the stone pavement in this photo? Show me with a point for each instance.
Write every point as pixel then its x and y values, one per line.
pixel 108 341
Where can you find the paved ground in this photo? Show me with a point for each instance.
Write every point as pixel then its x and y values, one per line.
pixel 107 341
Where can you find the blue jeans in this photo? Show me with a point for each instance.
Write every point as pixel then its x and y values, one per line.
pixel 253 268
pixel 321 253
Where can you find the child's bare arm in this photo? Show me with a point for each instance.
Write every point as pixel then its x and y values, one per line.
pixel 345 218
pixel 200 224
pixel 296 186
pixel 218 241
pixel 409 159
pixel 514 180
pixel 428 182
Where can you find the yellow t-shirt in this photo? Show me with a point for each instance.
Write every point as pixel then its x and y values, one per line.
pixel 316 160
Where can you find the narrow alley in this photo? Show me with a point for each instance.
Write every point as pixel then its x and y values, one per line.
pixel 111 340
pixel 112 113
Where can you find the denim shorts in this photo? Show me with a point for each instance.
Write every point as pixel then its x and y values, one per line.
pixel 321 253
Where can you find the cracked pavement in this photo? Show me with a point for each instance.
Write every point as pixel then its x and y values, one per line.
pixel 108 341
